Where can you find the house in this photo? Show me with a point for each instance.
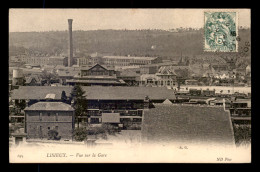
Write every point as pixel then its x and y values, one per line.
pixel 165 76
pixel 33 80
pixel 42 117
pixel 187 124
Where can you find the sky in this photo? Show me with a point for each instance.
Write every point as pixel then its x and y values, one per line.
pixel 27 20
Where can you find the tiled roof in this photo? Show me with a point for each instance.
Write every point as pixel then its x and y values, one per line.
pixel 30 78
pixel 52 106
pixel 166 70
pixel 96 92
pixel 188 124
pixel 39 92
pixel 130 93
pixel 128 73
pixel 92 66
pixel 93 81
pixel 67 73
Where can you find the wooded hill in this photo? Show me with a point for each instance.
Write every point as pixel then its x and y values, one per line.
pixel 166 44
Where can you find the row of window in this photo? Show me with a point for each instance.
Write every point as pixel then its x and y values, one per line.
pixel 122 120
pixel 49 114
pixel 158 82
pixel 122 113
pixel 39 128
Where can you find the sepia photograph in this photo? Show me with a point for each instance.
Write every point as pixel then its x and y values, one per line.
pixel 129 85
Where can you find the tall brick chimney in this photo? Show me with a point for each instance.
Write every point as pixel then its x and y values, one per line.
pixel 70 47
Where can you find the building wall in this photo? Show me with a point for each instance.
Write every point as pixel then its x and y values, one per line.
pixel 158 80
pixel 45 60
pixel 129 112
pixel 64 122
pixel 115 61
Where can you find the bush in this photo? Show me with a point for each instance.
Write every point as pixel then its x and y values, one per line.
pixel 53 135
pixel 242 134
pixel 80 134
pixel 109 128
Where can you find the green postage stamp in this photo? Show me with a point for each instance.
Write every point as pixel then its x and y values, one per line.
pixel 220 31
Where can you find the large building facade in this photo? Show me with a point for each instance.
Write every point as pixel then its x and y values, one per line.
pixel 118 61
pixel 54 60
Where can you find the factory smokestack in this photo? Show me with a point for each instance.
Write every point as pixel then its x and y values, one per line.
pixel 70 48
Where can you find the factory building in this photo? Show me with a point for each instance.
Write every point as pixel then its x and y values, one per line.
pixel 118 61
pixel 96 75
pixel 53 60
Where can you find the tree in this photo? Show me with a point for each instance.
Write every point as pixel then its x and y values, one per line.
pixel 80 134
pixel 63 97
pixel 78 101
pixel 48 76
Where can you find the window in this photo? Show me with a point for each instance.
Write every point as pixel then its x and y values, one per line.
pixel 49 114
pixel 40 116
pixel 56 117
pixel 48 128
pixel 56 128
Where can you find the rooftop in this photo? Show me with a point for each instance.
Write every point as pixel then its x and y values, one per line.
pixel 39 92
pixel 166 70
pixel 128 73
pixel 95 92
pixel 69 73
pixel 93 81
pixel 92 66
pixel 128 93
pixel 129 57
pixel 188 124
pixel 49 106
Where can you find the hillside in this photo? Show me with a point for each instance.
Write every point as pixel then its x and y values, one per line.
pixel 115 42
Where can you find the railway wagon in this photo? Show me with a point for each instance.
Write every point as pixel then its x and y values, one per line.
pixel 194 92
pixel 208 92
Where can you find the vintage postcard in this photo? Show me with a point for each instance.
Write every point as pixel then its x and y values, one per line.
pixel 129 85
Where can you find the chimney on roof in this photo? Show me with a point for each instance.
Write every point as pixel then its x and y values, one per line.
pixel 70 46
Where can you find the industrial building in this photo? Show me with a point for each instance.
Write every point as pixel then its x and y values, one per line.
pixel 120 106
pixel 53 60
pixel 96 75
pixel 118 61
